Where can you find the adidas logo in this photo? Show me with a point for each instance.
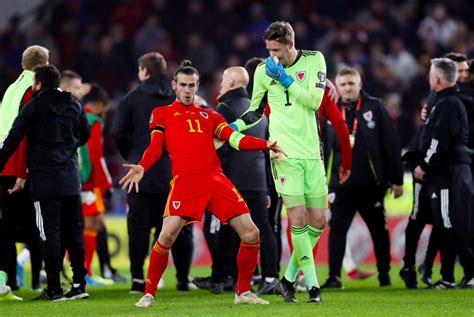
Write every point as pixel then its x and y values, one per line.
pixel 304 258
pixel 273 82
pixel 176 114
pixel 434 196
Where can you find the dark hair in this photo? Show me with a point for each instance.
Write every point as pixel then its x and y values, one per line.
pixel 154 62
pixel 471 67
pixel 47 75
pixel 252 64
pixel 280 31
pixel 456 57
pixel 70 75
pixel 186 68
pixel 96 94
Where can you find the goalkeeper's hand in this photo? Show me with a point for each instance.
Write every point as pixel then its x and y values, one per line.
pixel 276 71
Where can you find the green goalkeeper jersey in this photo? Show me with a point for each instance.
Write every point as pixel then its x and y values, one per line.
pixel 292 111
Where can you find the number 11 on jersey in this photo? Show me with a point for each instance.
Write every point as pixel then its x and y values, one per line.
pixel 192 129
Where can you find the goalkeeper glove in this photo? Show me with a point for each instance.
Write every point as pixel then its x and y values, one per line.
pixel 276 71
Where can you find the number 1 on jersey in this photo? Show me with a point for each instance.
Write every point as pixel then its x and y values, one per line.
pixel 191 128
pixel 288 103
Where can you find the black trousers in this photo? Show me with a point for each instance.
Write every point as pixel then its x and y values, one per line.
pixel 103 251
pixel 60 224
pixel 17 224
pixel 274 219
pixel 346 204
pixel 421 215
pixel 224 243
pixel 146 212
pixel 256 201
pixel 451 202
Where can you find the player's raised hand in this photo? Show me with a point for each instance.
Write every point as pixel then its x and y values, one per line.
pixel 132 178
pixel 276 71
pixel 272 146
pixel 332 90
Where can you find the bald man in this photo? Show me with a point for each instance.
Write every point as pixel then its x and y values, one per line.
pixel 247 172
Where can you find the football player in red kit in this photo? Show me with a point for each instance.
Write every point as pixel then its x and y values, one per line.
pixel 198 182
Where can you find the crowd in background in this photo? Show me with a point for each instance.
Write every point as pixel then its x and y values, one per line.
pixel 390 42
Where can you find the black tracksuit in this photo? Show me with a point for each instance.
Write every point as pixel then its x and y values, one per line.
pixel 421 212
pixel 376 164
pixel 247 171
pixel 446 161
pixel 131 132
pixel 55 125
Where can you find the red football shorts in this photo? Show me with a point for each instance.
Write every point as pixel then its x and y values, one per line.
pixel 92 203
pixel 192 194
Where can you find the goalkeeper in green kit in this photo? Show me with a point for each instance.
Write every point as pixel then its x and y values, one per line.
pixel 292 82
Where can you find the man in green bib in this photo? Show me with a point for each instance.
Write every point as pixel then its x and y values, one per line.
pixel 15 199
pixel 292 82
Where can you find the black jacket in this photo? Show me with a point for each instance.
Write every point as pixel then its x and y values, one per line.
pixel 246 169
pixel 132 134
pixel 55 125
pixel 381 140
pixel 444 137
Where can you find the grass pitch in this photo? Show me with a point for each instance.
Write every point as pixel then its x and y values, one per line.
pixel 359 298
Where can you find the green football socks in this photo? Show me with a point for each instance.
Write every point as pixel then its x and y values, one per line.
pixel 304 240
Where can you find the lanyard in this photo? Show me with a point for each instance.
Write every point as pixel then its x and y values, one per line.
pixel 355 122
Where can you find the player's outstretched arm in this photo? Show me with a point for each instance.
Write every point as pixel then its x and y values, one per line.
pixel 278 151
pixel 255 112
pixel 240 141
pixel 133 177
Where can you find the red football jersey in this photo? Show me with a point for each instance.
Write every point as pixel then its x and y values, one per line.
pixel 188 136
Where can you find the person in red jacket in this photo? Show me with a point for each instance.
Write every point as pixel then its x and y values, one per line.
pixel 94 174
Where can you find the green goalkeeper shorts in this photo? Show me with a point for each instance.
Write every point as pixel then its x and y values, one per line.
pixel 301 182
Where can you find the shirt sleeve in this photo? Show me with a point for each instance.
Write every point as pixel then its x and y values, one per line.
pixel 17 132
pixel 312 96
pixel 21 166
pixel 153 152
pixel 258 103
pixel 121 128
pixel 332 113
pixel 100 173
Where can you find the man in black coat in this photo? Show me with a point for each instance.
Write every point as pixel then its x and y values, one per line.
pixel 55 125
pixel 376 166
pixel 445 168
pixel 132 136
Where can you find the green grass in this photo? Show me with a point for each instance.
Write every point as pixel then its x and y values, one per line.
pixel 359 298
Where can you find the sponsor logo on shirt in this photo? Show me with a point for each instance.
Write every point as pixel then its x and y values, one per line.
pixel 273 82
pixel 177 113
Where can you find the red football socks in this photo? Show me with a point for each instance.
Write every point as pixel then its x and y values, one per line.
pixel 158 263
pixel 246 263
pixel 90 246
